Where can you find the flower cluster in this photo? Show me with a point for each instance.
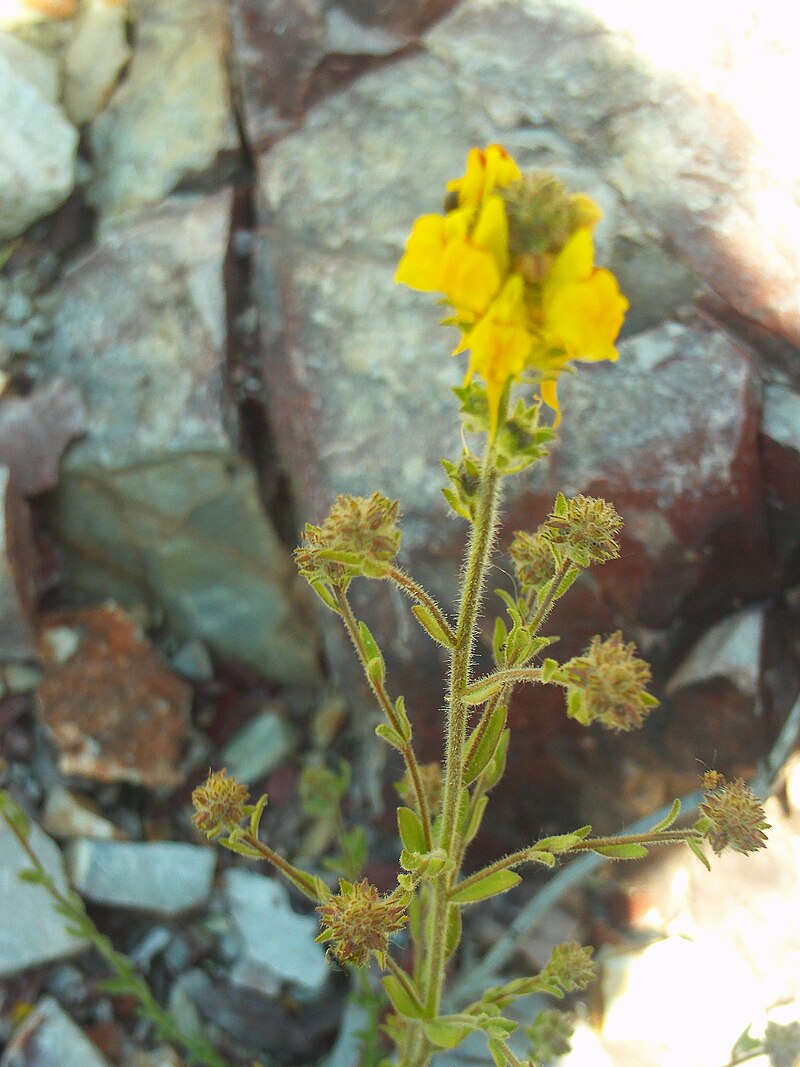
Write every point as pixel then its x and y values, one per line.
pixel 358 537
pixel 220 804
pixel 583 529
pixel 359 922
pixel 514 259
pixel 608 684
pixel 532 557
pixel 731 815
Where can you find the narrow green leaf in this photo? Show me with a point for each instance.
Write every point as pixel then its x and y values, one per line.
pixel 480 691
pixel 559 843
pixel 375 666
pixel 447 1033
pixel 391 736
pixel 486 746
pixel 547 859
pixel 411 832
pixel 453 930
pixel 560 506
pixel 430 624
pixel 498 640
pixel 623 852
pixel 402 717
pixel 669 818
pixel 402 1001
pixel 474 821
pixel 549 668
pixel 567 581
pixel 325 595
pixel 30 874
pixel 695 847
pixel 497 765
pixel 489 886
pixel 497 1054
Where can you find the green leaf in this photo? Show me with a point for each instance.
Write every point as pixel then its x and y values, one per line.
pixel 567 581
pixel 391 736
pixel 430 624
pixel 13 814
pixel 448 1032
pixel 560 506
pixel 412 833
pixel 496 1050
pixel 549 668
pixel 486 745
pixel 402 1001
pixel 325 595
pixel 695 847
pixel 490 885
pixel 375 666
pixel 473 824
pixel 497 765
pixel 402 718
pixel 453 936
pixel 562 842
pixel 498 640
pixel 669 818
pixel 547 859
pixel 480 691
pixel 631 851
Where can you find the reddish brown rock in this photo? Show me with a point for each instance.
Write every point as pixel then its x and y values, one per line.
pixel 287 55
pixel 35 430
pixel 114 710
pixel 17 574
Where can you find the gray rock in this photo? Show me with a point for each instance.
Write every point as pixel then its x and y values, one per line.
pixel 278 945
pixel 37 151
pixel 66 815
pixel 17 574
pixel 731 649
pixel 155 498
pixel 258 747
pixel 171 116
pixel 37 934
pixel 49 1036
pixel 166 877
pixel 94 58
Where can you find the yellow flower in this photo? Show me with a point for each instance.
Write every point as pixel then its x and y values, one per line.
pixel 487 170
pixel 466 263
pixel 582 313
pixel 499 344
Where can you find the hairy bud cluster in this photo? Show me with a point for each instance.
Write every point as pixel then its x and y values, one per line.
pixel 431 777
pixel 782 1044
pixel 583 529
pixel 359 537
pixel 608 683
pixel 733 815
pixel 533 559
pixel 542 216
pixel 570 966
pixel 220 804
pixel 550 1034
pixel 359 921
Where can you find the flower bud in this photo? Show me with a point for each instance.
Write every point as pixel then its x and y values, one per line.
pixel 359 537
pixel 732 815
pixel 359 921
pixel 583 529
pixel 542 216
pixel 220 804
pixel 431 777
pixel 533 559
pixel 608 684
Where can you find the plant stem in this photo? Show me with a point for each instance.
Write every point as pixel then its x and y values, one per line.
pixel 386 705
pixel 422 596
pixel 478 554
pixel 300 879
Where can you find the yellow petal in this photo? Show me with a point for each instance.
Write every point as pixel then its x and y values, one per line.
pixel 486 171
pixel 549 391
pixel 420 266
pixel 470 278
pixel 573 263
pixel 491 231
pixel 585 318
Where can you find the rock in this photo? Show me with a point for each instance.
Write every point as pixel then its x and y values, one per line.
pixel 288 952
pixel 155 502
pixel 287 54
pixel 165 878
pixel 18 569
pixel 66 815
pixel 114 709
pixel 37 153
pixel 171 118
pixel 780 451
pixel 674 130
pixel 35 430
pixel 258 747
pixel 94 58
pixel 49 1036
pixel 37 934
pixel 731 650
